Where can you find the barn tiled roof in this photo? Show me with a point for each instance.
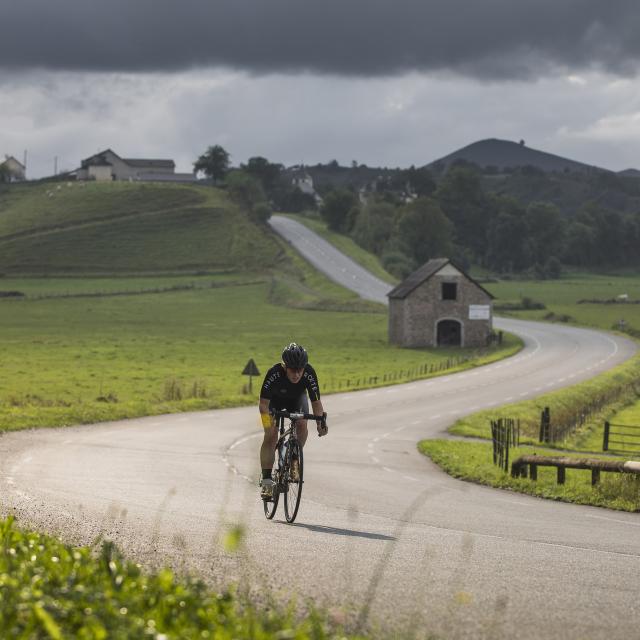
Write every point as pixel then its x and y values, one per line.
pixel 422 274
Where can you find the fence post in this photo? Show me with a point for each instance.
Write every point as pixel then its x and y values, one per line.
pixel 507 445
pixel 545 423
pixel 605 441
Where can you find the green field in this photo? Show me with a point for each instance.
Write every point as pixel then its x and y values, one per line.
pixel 82 359
pixel 562 298
pixel 82 346
pixel 128 228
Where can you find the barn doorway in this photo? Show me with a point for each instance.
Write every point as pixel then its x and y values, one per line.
pixel 449 333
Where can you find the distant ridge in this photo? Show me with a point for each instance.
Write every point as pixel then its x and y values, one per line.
pixel 629 173
pixel 504 154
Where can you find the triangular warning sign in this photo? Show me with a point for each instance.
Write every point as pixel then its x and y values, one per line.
pixel 250 369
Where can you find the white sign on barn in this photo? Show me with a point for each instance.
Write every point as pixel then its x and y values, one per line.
pixel 479 312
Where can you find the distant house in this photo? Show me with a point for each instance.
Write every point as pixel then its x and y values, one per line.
pixel 108 165
pixel 301 179
pixel 14 169
pixel 439 305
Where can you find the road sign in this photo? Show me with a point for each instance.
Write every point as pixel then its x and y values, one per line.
pixel 250 370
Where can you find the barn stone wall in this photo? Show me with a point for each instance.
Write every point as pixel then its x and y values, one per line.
pixel 413 320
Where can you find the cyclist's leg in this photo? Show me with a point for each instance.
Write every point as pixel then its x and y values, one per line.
pixel 268 448
pixel 301 425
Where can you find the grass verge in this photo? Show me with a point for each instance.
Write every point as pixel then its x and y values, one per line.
pixel 473 461
pixel 611 390
pixel 51 590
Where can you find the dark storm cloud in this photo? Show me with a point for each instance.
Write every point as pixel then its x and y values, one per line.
pixel 485 38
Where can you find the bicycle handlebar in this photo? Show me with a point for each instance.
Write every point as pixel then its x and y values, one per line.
pixel 294 415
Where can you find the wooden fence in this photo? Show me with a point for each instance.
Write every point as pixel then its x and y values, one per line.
pixel 406 375
pixel 556 425
pixel 505 434
pixel 519 466
pixel 625 438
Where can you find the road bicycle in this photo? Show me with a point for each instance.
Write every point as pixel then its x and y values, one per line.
pixel 285 481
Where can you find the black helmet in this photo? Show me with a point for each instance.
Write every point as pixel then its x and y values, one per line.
pixel 294 356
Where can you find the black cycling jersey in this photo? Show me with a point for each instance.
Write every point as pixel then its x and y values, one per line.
pixel 281 391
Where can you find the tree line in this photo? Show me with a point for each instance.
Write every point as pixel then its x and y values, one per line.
pixel 408 216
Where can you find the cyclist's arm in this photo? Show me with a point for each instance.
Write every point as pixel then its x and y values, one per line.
pixel 316 405
pixel 265 416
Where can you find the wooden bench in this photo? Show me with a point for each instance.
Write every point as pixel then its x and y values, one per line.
pixel 519 466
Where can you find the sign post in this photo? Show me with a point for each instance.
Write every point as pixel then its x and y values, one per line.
pixel 250 370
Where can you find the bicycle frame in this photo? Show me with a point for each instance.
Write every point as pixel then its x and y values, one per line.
pixel 287 447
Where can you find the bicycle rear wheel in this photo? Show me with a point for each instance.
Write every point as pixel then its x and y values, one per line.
pixel 293 488
pixel 270 506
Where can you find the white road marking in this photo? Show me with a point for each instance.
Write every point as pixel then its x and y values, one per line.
pixel 633 524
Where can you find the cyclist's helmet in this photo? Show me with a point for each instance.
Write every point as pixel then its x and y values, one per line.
pixel 295 356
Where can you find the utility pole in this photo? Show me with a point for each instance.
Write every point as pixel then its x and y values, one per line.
pixel 55 165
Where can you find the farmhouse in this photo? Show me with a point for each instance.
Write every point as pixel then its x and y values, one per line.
pixel 14 169
pixel 108 165
pixel 439 305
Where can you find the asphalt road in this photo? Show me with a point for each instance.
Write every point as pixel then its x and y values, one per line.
pixel 382 533
pixel 325 257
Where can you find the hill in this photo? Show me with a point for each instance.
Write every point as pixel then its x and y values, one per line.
pixel 500 155
pixel 116 228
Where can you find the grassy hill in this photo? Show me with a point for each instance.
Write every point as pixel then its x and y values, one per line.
pixel 116 228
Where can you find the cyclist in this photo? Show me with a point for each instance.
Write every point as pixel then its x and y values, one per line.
pixel 285 387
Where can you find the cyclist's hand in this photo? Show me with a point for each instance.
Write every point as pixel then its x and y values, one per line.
pixel 323 429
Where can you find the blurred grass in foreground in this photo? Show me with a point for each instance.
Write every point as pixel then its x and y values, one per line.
pixel 52 590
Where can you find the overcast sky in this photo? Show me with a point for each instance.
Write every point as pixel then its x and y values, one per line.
pixel 385 83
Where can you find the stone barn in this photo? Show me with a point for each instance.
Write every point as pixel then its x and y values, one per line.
pixel 439 305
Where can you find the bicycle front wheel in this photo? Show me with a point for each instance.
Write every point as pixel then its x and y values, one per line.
pixel 270 506
pixel 293 481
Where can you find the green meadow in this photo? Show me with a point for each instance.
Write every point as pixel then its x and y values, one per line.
pixel 142 299
pixel 572 299
pixel 83 359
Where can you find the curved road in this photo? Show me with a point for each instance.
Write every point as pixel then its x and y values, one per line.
pixel 381 532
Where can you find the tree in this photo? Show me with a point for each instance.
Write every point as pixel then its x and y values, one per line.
pixel 508 247
pixel 214 163
pixel 424 230
pixel 546 231
pixel 338 209
pixel 245 189
pixel 267 172
pixel 463 201
pixel 373 226
pixel 420 180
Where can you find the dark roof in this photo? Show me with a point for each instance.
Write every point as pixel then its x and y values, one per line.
pixel 423 273
pixel 137 162
pixel 98 159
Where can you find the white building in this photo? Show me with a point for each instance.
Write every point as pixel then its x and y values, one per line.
pixel 14 169
pixel 108 165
